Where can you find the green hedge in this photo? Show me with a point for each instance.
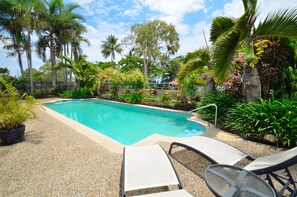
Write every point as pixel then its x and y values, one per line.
pixel 77 93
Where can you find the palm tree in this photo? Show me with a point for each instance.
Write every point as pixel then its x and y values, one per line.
pixel 55 17
pixel 228 33
pixel 110 47
pixel 83 70
pixel 196 61
pixel 11 23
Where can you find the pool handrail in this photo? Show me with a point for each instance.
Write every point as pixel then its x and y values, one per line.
pixel 216 112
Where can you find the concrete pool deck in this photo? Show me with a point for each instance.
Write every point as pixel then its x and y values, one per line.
pixel 56 160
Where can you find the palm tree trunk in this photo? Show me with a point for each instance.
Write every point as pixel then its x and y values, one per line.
pixel 210 85
pixel 53 61
pixel 19 56
pixel 64 69
pixel 20 62
pixel 251 84
pixel 29 60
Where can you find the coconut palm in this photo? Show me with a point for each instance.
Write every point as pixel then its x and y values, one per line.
pixel 83 70
pixel 228 33
pixel 11 23
pixel 55 17
pixel 110 47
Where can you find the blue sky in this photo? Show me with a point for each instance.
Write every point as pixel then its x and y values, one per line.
pixel 190 17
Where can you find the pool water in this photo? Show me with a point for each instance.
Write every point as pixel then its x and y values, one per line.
pixel 126 123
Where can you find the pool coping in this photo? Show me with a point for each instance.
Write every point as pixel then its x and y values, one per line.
pixel 109 143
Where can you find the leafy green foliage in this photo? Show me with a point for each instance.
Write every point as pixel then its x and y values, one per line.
pixel 77 93
pixel 153 40
pixel 113 78
pixel 269 117
pixel 133 97
pixel 224 103
pixel 130 62
pixel 14 109
pixel 83 70
pixel 171 70
pixel 277 56
pixel 220 25
pixel 280 23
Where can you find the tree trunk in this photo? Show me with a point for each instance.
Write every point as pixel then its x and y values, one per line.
pixel 53 61
pixel 210 85
pixel 20 60
pixel 65 69
pixel 251 84
pixel 29 60
pixel 145 66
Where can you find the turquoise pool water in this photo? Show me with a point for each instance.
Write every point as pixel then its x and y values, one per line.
pixel 126 123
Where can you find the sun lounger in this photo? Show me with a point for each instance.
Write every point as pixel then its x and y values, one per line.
pixel 149 167
pixel 221 153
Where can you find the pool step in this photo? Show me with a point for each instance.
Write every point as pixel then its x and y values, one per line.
pixel 189 133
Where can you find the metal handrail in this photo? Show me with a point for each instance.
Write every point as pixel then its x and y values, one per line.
pixel 216 113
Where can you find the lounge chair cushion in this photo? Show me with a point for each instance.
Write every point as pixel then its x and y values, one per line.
pixel 147 167
pixel 217 151
pixel 271 163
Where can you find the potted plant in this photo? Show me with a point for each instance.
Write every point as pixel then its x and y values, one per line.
pixel 15 109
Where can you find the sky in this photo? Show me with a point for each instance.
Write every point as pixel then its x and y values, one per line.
pixel 190 18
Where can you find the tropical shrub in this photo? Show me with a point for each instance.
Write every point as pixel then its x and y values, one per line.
pixel 111 77
pixel 224 102
pixel 77 93
pixel 132 97
pixel 136 79
pixel 166 97
pixel 277 117
pixel 15 108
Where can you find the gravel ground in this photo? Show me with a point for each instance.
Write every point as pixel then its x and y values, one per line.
pixel 55 160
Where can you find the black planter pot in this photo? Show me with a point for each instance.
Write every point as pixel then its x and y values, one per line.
pixel 12 136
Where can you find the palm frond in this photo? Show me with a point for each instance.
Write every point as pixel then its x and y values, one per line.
pixel 223 52
pixel 249 4
pixel 219 26
pixel 194 65
pixel 282 23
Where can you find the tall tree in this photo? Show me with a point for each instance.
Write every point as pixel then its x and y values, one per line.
pixel 55 17
pixel 110 47
pixel 228 33
pixel 153 41
pixel 11 23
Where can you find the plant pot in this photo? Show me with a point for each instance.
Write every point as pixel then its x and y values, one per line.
pixel 12 136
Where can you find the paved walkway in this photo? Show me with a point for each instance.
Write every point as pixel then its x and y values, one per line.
pixel 56 160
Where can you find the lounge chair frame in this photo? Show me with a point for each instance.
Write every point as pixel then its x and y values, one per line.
pixel 174 144
pixel 286 181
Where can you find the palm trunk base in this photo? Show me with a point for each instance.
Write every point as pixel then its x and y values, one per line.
pixel 251 84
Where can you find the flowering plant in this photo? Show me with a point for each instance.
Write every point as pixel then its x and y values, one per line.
pixel 206 75
pixel 173 83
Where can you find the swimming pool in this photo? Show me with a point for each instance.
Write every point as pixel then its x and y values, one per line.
pixel 126 124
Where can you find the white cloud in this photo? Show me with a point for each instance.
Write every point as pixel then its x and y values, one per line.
pixel 196 40
pixel 234 9
pixel 83 2
pixel 134 10
pixel 174 11
pixel 98 34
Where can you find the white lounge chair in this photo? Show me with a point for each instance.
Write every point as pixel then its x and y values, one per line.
pixel 149 167
pixel 221 153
